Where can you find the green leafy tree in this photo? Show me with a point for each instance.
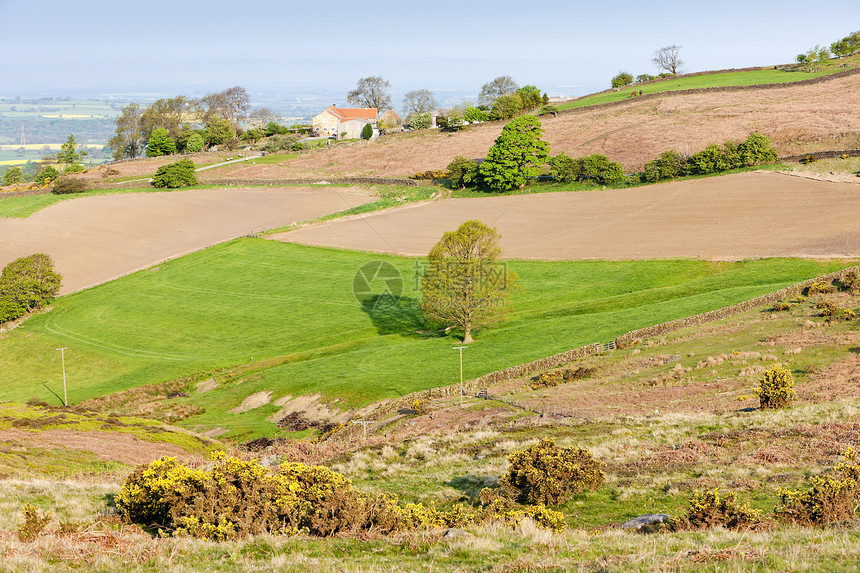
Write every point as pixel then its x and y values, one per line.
pixel 645 78
pixel 463 172
pixel 847 45
pixel 622 79
pixel 173 175
pixel 367 131
pixel 160 143
pixel 253 135
pixel 273 128
pixel 712 159
pixel 517 154
pixel 473 114
pixel 69 152
pixel 195 143
pixel 466 286
pixel 506 106
pixel 219 131
pixel 46 175
pixel 13 175
pixel 29 282
pixel 530 96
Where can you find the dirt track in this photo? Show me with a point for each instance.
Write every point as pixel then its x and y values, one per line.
pixel 96 239
pixel 719 218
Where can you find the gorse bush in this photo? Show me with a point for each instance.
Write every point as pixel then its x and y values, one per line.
pixel 548 474
pixel 34 522
pixel 174 175
pixel 820 287
pixel 850 281
pixel 547 379
pixel 708 510
pixel 46 175
pixel 830 499
pixel 776 388
pixel 235 498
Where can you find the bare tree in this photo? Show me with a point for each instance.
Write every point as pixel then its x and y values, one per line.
pixel 236 99
pixel 212 107
pixel 491 91
pixel 265 116
pixel 419 101
pixel 371 92
pixel 667 59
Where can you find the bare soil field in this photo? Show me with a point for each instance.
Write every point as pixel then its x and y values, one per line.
pixel 799 119
pixel 96 239
pixel 738 216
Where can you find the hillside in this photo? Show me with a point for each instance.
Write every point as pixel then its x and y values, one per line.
pixel 799 118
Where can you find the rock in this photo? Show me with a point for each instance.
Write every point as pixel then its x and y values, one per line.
pixel 454 533
pixel 269 461
pixel 645 523
pixel 479 456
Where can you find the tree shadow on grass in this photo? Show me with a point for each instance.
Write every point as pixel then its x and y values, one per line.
pixel 398 316
pixel 471 486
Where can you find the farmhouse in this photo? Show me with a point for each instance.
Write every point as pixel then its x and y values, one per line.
pixel 331 121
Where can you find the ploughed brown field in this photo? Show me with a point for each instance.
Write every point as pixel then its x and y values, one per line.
pixel 762 214
pixel 97 239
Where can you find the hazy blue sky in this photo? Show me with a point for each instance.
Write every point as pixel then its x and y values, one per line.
pixel 566 47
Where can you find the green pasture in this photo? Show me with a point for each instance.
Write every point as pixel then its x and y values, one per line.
pixel 768 76
pixel 288 314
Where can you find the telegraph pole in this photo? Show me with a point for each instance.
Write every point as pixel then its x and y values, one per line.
pixel 63 357
pixel 461 348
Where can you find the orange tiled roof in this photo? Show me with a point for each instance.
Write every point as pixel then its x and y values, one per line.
pixel 346 114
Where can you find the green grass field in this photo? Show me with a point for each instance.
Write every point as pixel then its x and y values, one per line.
pixel 769 76
pixel 290 311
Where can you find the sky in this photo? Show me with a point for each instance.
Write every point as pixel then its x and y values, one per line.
pixel 295 49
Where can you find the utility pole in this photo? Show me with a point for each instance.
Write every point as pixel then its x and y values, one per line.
pixel 65 393
pixel 461 348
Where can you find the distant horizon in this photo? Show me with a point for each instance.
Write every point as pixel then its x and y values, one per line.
pixel 452 48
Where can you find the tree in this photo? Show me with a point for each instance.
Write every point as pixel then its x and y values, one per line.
pixel 30 282
pixel 46 175
pixel 165 113
pixel 236 101
pixel 667 59
pixel 173 175
pixel 367 131
pixel 220 131
pixel 506 106
pixel 212 107
pixel 160 144
pixel 493 90
pixel 419 101
pixel 847 45
pixel 127 141
pixel 420 121
pixel 517 154
pixel 13 175
pixel 466 286
pixel 195 143
pixel 530 96
pixel 371 92
pixel 69 152
pixel 622 79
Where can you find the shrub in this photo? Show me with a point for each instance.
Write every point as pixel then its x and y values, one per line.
pixel 430 175
pixel 600 170
pixel 776 388
pixel 474 114
pixel 195 143
pixel 173 175
pixel 669 165
pixel 74 168
pixel 34 523
pixel 367 131
pixel 827 308
pixel 711 159
pixel 547 379
pixel 780 306
pixel 850 281
pixel 66 185
pixel 506 106
pixel 46 175
pixel 564 169
pixel 622 79
pixel 708 510
pixel 278 143
pixel 548 474
pixel 645 78
pixel 830 499
pixel 420 121
pixel 420 407
pixel 463 172
pixel 548 109
pixel 820 287
pixel 756 149
pixel 13 175
pixel 10 310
